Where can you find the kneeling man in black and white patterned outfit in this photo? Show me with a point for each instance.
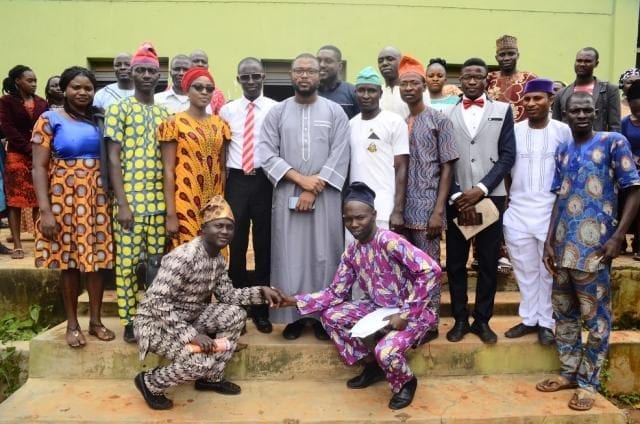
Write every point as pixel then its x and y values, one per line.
pixel 176 315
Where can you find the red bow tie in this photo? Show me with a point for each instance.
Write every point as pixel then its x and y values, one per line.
pixel 466 103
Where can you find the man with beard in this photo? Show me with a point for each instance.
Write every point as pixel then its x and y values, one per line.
pixel 121 89
pixel 247 189
pixel 582 240
pixel 526 220
pixel 605 95
pixel 174 99
pixel 135 171
pixel 341 92
pixel 507 84
pixel 483 130
pixel 304 145
pixel 392 273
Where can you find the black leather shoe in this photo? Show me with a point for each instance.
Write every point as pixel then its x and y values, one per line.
pixel 482 330
pixel 428 336
pixel 294 330
pixel 128 335
pixel 460 328
pixel 520 330
pixel 403 398
pixel 371 373
pixel 263 324
pixel 545 336
pixel 154 401
pixel 223 387
pixel 319 331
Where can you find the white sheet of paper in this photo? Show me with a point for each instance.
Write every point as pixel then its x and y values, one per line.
pixel 372 322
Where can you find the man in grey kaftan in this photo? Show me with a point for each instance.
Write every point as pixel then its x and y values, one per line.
pixel 304 145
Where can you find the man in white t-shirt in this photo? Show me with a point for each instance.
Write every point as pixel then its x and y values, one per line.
pixel 379 151
pixel 121 89
pixel 526 220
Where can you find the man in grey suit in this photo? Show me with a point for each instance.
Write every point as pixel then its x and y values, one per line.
pixel 483 130
pixel 605 95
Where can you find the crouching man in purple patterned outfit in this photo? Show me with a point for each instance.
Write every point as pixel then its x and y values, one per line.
pixel 392 273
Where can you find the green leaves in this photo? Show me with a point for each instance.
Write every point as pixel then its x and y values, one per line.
pixel 13 328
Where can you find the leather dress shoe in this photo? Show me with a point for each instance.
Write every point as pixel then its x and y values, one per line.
pixel 404 397
pixel 460 328
pixel 128 335
pixel 545 336
pixel 520 330
pixel 293 331
pixel 428 336
pixel 319 331
pixel 154 401
pixel 223 387
pixel 371 373
pixel 263 324
pixel 482 330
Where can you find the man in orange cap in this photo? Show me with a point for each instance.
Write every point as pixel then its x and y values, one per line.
pixel 135 171
pixel 432 154
pixel 177 310
pixel 388 62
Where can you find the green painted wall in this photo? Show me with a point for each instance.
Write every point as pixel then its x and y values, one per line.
pixel 50 34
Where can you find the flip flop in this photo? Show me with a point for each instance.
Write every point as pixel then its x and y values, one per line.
pixel 553 384
pixel 74 337
pixel 17 254
pixel 582 400
pixel 101 332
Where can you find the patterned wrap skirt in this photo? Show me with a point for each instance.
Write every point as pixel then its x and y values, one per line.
pixel 82 212
pixel 18 182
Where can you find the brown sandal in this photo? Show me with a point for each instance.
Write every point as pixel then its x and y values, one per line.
pixel 101 332
pixel 553 384
pixel 17 254
pixel 582 400
pixel 75 338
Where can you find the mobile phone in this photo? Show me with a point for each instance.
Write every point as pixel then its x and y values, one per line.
pixel 293 202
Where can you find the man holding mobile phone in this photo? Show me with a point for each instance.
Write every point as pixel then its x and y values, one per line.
pixel 304 145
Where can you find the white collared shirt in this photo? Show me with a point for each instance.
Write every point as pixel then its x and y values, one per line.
pixel 235 114
pixel 473 116
pixel 175 103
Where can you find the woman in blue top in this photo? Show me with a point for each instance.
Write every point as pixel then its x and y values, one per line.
pixel 73 233
pixel 630 128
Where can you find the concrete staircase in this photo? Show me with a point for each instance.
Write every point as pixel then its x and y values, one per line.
pixel 303 381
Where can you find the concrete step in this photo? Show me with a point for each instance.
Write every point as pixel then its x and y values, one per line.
pixel 271 357
pixel 506 303
pixel 478 400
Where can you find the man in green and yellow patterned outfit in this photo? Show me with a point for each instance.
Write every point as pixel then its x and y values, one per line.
pixel 135 169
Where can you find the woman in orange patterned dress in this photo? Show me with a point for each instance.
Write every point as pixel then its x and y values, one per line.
pixel 193 154
pixel 73 232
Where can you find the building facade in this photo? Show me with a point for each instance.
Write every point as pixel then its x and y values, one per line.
pixel 49 35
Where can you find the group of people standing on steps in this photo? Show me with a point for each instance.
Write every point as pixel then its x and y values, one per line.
pixel 400 158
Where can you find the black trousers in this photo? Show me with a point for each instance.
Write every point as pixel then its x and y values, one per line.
pixel 457 248
pixel 250 199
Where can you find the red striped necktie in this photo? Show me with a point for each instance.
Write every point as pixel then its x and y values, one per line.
pixel 247 147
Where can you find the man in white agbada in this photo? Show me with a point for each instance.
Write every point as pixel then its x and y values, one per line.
pixel 526 221
pixel 304 147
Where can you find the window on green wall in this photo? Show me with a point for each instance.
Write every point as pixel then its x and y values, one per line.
pixel 102 67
